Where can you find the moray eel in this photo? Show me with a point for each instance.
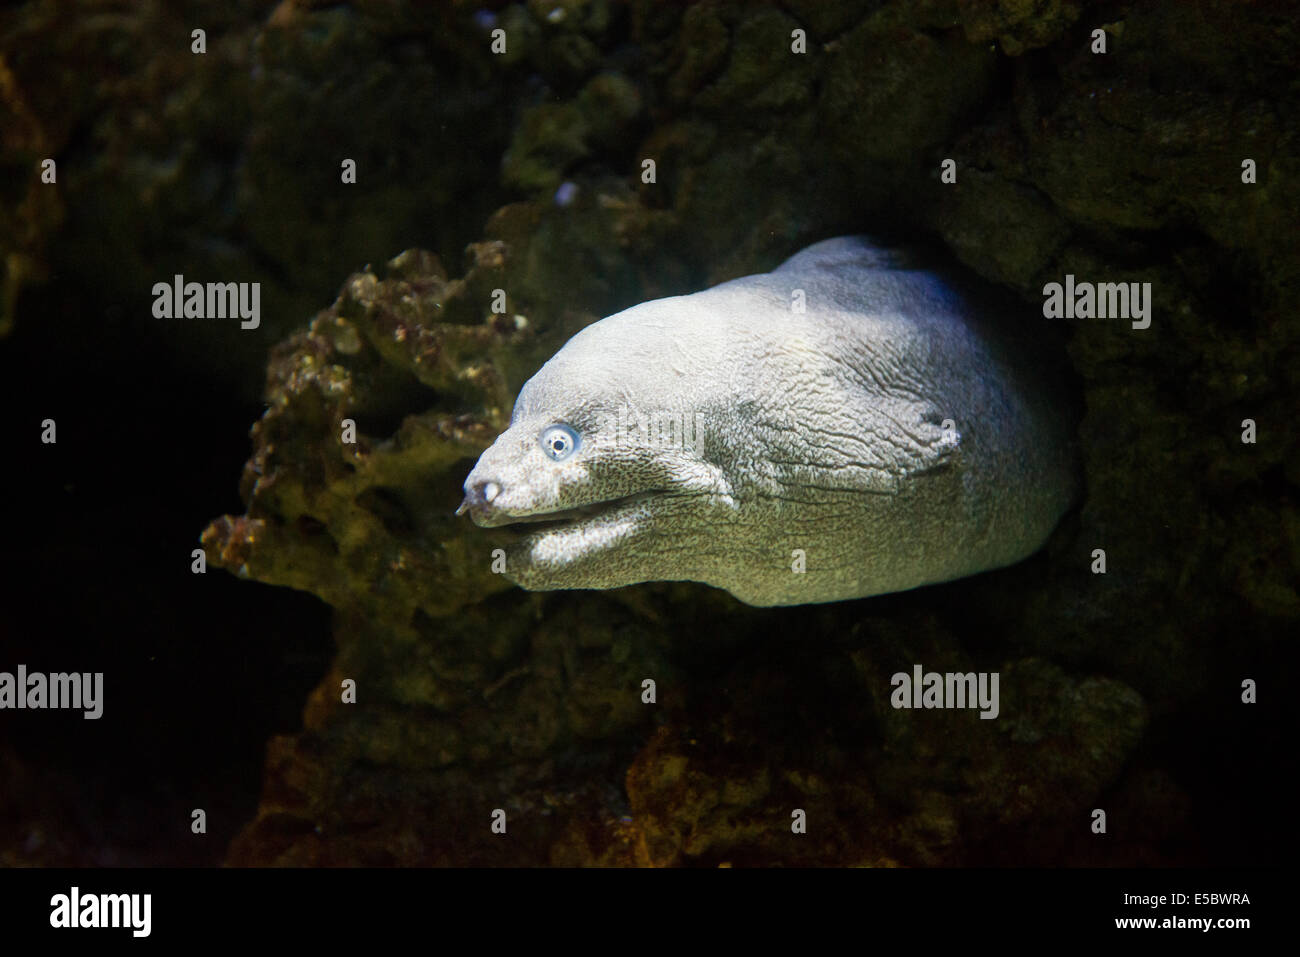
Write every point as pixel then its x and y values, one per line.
pixel 893 432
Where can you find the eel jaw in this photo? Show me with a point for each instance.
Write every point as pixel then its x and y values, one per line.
pixel 561 540
pixel 485 516
pixel 554 545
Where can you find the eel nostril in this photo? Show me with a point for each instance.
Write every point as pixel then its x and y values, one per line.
pixel 478 495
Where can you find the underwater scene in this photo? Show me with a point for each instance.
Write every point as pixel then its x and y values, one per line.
pixel 636 433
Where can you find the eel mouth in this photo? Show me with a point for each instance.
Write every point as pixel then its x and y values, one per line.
pixel 541 522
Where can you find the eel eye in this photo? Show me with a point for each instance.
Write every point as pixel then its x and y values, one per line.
pixel 559 442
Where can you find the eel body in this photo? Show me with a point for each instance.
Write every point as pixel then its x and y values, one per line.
pixel 846 425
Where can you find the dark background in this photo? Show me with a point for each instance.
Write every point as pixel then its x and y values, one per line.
pixel 199 670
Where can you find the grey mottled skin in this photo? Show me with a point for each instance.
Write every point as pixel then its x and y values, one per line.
pixel 821 432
